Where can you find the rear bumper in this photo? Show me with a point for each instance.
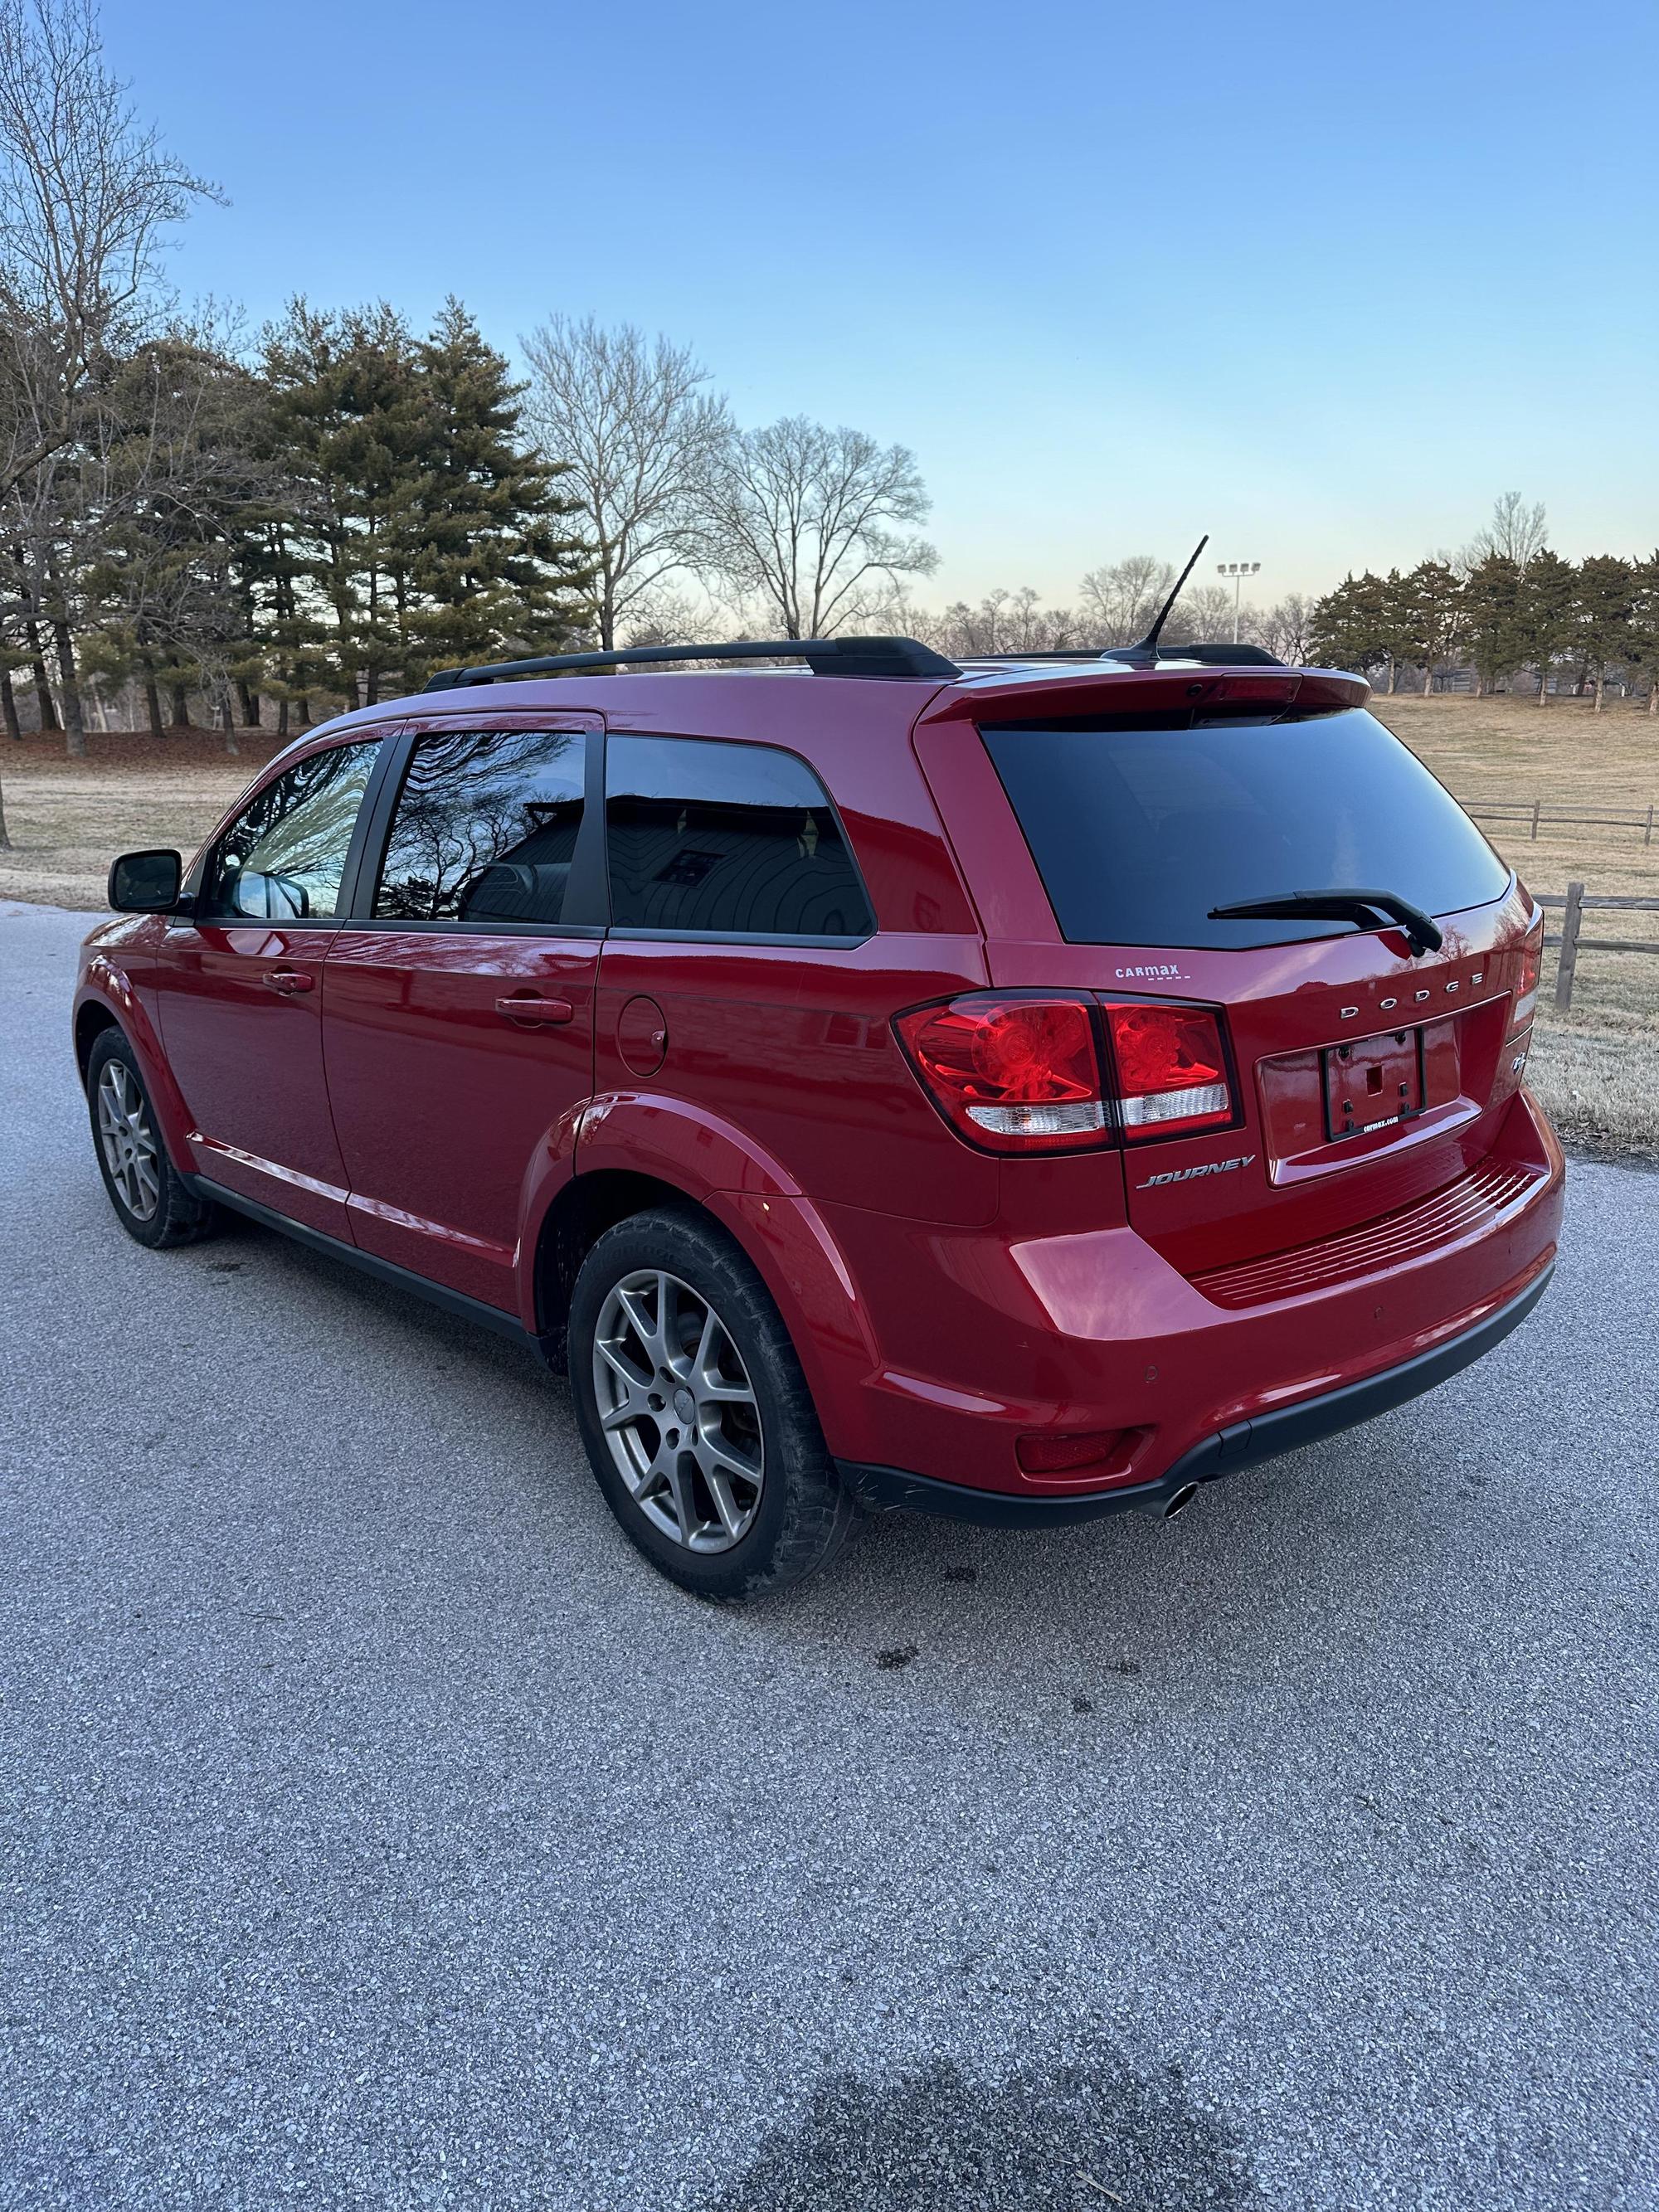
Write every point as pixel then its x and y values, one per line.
pixel 978 1336
pixel 1245 1443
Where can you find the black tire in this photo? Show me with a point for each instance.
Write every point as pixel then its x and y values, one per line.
pixel 177 1216
pixel 801 1516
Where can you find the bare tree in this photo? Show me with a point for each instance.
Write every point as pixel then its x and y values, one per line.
pixel 85 193
pixel 1003 622
pixel 1286 628
pixel 628 415
pixel 803 518
pixel 1516 532
pixel 1120 600
pixel 1204 612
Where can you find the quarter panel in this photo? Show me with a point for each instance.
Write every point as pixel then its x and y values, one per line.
pixel 793 1046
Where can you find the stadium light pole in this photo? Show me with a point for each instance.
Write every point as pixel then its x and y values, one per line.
pixel 1238 570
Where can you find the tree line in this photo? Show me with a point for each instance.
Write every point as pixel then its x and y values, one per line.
pixel 325 512
pixel 1505 615
pixel 264 527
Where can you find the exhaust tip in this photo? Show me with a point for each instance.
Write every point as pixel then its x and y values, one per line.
pixel 1182 1499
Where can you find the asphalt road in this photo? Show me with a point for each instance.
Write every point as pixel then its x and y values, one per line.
pixel 376 1830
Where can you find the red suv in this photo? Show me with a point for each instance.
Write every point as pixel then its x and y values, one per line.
pixel 1019 1091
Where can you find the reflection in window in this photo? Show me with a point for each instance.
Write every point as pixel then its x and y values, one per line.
pixel 736 839
pixel 485 827
pixel 282 860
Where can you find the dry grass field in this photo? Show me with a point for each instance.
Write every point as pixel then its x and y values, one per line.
pixel 1595 1068
pixel 68 818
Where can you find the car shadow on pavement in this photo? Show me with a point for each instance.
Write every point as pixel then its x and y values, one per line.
pixel 936 2141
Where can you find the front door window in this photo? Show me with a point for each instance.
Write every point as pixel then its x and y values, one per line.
pixel 284 856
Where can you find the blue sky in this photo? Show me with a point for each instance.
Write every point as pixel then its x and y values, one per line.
pixel 1322 280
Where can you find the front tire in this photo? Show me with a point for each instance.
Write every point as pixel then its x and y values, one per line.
pixel 152 1202
pixel 696 1415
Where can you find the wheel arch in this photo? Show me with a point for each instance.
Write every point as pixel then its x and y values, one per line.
pixel 582 1209
pixel 783 1237
pixel 107 1001
pixel 92 1018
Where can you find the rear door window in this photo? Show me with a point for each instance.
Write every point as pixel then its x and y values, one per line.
pixel 1138 833
pixel 484 828
pixel 707 838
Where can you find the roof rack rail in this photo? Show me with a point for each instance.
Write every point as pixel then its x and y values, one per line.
pixel 899 657
pixel 1209 656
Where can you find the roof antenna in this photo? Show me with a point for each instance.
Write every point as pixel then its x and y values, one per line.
pixel 1145 655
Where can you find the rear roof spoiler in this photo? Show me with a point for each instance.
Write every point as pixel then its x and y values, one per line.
pixel 1011 695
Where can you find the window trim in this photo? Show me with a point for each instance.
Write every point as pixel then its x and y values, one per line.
pixel 639 933
pixel 580 921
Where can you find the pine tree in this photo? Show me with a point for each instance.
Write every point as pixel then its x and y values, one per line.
pixel 1491 599
pixel 349 425
pixel 1642 644
pixel 1602 607
pixel 1431 615
pixel 482 530
pixel 1548 591
pixel 1351 624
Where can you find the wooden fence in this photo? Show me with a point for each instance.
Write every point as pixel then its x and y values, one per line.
pixel 1572 941
pixel 1534 813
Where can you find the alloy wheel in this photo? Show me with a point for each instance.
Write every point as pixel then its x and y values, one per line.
pixel 677 1411
pixel 130 1152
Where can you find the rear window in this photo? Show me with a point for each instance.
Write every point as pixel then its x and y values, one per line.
pixel 1138 833
pixel 710 838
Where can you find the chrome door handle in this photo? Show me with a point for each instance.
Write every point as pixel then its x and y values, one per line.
pixel 288 981
pixel 529 1012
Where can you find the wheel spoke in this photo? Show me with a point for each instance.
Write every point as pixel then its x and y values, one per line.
pixel 684 1510
pixel 649 1333
pixel 668 1306
pixel 616 1363
pixel 713 1452
pixel 725 1504
pixel 624 1414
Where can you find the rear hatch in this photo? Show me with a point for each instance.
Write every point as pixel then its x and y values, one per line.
pixel 1362 1071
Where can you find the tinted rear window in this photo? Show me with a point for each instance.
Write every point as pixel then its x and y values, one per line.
pixel 707 837
pixel 1138 833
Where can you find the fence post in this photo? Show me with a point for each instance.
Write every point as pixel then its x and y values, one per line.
pixel 1537 805
pixel 1647 834
pixel 1568 960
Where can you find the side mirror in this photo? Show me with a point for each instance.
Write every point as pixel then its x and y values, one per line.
pixel 145 882
pixel 269 898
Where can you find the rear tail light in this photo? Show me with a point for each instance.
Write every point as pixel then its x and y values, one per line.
pixel 1015 1073
pixel 1172 1069
pixel 1023 1072
pixel 1526 981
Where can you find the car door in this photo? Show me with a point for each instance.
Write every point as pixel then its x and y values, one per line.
pixel 458 1003
pixel 239 986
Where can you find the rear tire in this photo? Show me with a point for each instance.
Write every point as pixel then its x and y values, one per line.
pixel 696 1417
pixel 152 1201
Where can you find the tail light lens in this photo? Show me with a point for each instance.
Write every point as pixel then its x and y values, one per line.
pixel 1526 981
pixel 1172 1069
pixel 1014 1074
pixel 1022 1071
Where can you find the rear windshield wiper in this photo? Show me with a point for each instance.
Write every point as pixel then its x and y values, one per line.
pixel 1422 931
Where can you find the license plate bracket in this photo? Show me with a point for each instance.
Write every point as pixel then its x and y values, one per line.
pixel 1372 1083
